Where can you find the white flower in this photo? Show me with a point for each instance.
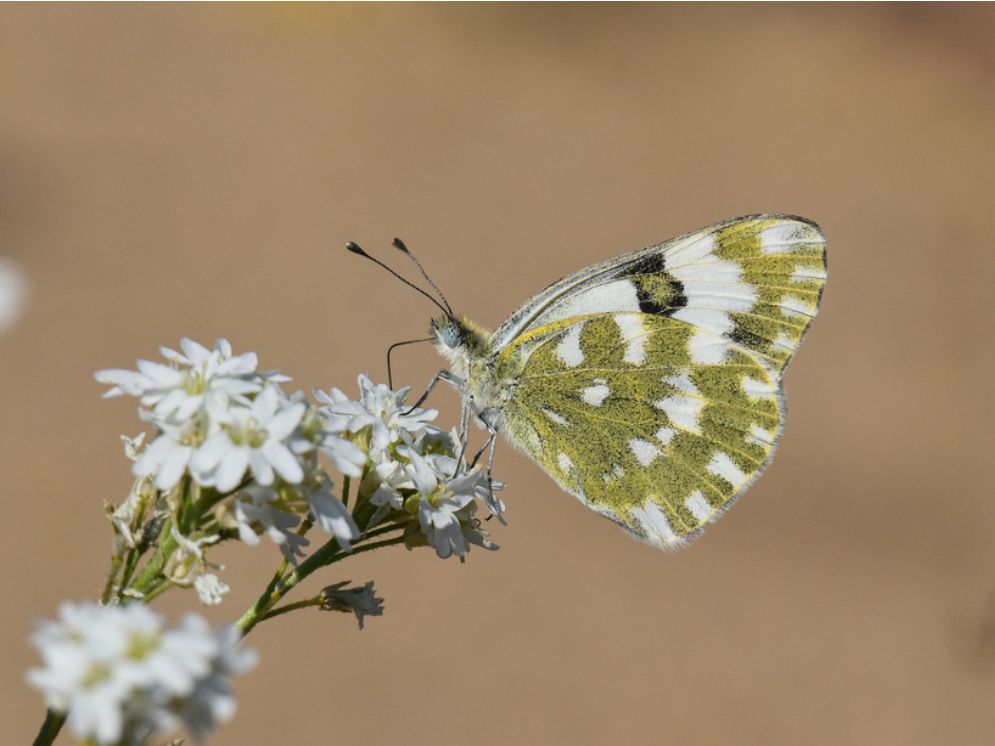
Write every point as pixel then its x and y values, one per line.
pixel 447 507
pixel 348 457
pixel 187 562
pixel 198 379
pixel 274 511
pixel 361 601
pixel 119 671
pixel 386 478
pixel 210 589
pixel 255 438
pixel 168 456
pixel 378 407
pixel 255 513
pixel 13 294
pixel 330 514
pixel 213 698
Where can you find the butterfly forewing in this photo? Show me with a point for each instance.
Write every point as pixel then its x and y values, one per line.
pixel 751 283
pixel 616 409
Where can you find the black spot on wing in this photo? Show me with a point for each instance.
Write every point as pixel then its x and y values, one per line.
pixel 647 304
pixel 654 266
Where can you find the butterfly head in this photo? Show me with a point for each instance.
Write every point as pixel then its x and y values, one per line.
pixel 458 339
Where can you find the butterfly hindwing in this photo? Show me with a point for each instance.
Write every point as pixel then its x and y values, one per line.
pixel 617 410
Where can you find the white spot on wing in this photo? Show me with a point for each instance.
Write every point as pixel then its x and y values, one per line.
pixel 654 523
pixel 616 295
pixel 757 389
pixel 806 274
pixel 783 341
pixel 698 506
pixel 685 408
pixel 532 435
pixel 568 350
pixel 707 349
pixel 683 382
pixel 665 435
pixel 559 420
pixel 718 285
pixel 759 436
pixel 723 466
pixel 566 465
pixel 783 237
pixel 694 250
pixel 644 451
pixel 716 321
pixel 795 305
pixel 595 395
pixel 634 336
pixel 714 288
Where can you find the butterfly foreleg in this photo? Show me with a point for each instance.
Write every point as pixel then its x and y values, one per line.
pixel 443 375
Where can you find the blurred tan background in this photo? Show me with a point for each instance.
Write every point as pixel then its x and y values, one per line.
pixel 179 170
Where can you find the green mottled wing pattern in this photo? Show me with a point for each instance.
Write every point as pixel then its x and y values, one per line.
pixel 648 386
pixel 659 447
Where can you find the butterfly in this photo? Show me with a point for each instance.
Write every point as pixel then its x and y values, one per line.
pixel 649 385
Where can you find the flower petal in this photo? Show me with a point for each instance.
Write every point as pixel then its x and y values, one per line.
pixel 288 467
pixel 232 468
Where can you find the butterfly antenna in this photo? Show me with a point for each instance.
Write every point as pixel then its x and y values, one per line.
pixel 399 245
pixel 357 249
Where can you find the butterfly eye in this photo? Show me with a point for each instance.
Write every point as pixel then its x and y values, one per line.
pixel 450 332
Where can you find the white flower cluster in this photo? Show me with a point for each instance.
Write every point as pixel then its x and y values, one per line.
pixel 413 468
pixel 122 675
pixel 226 427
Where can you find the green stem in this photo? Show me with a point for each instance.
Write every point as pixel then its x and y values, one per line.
pixel 371 547
pixel 130 563
pixel 108 591
pixel 278 587
pixel 251 617
pixel 156 591
pixel 50 728
pixel 384 530
pixel 316 601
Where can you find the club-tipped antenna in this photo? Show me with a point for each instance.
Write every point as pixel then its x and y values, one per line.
pixel 355 248
pixel 399 245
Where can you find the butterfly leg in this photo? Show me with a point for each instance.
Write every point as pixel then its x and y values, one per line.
pixel 464 431
pixel 488 444
pixel 443 375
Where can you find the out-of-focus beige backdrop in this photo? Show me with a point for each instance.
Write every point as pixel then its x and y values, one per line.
pixel 169 171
